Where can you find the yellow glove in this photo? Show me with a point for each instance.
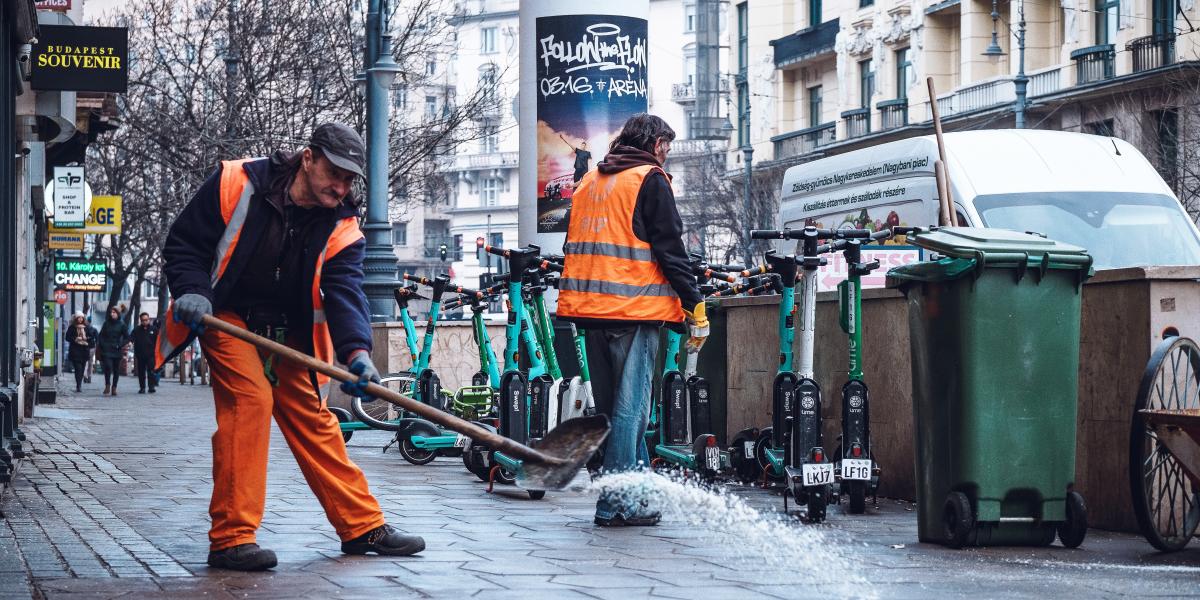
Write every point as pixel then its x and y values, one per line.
pixel 697 323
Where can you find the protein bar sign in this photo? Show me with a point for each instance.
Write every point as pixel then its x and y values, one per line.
pixel 80 275
pixel 82 59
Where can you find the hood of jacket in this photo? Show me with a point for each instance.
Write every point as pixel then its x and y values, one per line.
pixel 621 158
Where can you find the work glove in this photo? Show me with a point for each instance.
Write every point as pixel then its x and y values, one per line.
pixel 697 324
pixel 360 364
pixel 190 308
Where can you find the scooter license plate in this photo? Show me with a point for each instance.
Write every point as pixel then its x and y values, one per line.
pixel 712 458
pixel 748 449
pixel 856 468
pixel 462 441
pixel 818 474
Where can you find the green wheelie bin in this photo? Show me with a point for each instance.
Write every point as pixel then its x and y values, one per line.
pixel 994 332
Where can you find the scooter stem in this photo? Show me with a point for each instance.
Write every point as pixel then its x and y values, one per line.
pixel 808 317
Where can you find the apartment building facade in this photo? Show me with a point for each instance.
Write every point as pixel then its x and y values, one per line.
pixel 821 77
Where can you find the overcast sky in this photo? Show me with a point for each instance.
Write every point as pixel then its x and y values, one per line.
pixel 93 9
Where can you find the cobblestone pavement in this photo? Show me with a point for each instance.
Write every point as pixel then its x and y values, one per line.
pixel 113 503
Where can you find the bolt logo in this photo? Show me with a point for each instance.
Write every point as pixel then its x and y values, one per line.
pixel 855 401
pixel 808 402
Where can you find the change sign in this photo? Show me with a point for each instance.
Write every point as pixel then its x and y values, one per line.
pixel 70 210
pixel 80 274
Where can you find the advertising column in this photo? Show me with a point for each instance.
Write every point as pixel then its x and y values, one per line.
pixel 583 73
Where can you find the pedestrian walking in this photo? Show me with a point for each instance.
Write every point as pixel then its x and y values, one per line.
pixel 273 245
pixel 626 275
pixel 80 340
pixel 143 352
pixel 110 348
pixel 91 362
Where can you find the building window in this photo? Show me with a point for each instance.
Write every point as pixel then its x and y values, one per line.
pixel 743 86
pixel 487 40
pixel 490 191
pixel 431 68
pixel 814 106
pixel 866 82
pixel 430 107
pixel 456 248
pixel 399 234
pixel 400 97
pixel 1104 128
pixel 689 18
pixel 1107 18
pixel 904 73
pixel 865 3
pixel 814 13
pixel 490 142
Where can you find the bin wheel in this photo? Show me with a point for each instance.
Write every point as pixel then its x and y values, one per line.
pixel 343 416
pixel 536 494
pixel 857 490
pixel 1072 531
pixel 958 520
pixel 1166 503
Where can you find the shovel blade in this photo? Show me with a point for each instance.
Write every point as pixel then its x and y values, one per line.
pixel 569 446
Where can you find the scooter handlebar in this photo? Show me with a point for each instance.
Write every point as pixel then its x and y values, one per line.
pixel 797 234
pixel 549 265
pixel 417 279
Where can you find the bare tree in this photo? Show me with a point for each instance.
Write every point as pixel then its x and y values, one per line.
pixel 712 205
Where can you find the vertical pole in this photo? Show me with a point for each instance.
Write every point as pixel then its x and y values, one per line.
pixel 379 265
pixel 748 152
pixel 1020 82
pixel 8 200
pixel 232 58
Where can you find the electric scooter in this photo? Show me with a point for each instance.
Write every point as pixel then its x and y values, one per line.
pixel 856 468
pixel 791 449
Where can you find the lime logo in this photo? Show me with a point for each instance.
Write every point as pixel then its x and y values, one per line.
pixel 808 402
pixel 856 401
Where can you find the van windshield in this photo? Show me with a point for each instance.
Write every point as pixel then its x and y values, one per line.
pixel 1117 229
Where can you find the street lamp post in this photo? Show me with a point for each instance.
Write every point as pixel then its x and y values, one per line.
pixel 748 153
pixel 379 264
pixel 1020 81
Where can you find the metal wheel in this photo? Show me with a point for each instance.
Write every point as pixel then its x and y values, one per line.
pixel 380 414
pixel 1166 502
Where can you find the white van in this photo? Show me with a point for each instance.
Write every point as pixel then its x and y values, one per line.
pixel 1096 192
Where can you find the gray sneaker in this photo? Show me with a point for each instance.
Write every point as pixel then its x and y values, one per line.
pixel 246 557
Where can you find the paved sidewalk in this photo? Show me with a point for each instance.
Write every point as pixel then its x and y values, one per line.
pixel 113 502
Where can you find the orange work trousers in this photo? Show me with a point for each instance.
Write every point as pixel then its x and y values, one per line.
pixel 245 402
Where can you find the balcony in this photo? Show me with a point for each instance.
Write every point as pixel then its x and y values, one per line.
pixel 804 141
pixel 683 92
pixel 979 96
pixel 1094 63
pixel 893 113
pixel 1046 81
pixel 1152 51
pixel 698 147
pixel 805 44
pixel 858 122
pixel 477 162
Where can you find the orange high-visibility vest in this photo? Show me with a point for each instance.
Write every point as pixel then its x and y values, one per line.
pixel 236 190
pixel 609 273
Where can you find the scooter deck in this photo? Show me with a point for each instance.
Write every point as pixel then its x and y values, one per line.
pixel 683 456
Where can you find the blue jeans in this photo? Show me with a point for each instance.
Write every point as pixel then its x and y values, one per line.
pixel 621 362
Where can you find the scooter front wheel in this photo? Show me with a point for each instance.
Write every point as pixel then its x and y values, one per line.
pixel 343 416
pixel 817 498
pixel 415 455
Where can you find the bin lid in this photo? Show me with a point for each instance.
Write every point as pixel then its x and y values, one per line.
pixel 964 242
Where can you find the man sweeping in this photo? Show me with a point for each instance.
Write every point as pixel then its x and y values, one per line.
pixel 273 245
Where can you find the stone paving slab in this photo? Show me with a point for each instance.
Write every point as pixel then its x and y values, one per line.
pixel 113 500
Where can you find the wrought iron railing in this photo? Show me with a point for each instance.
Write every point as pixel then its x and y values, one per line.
pixel 892 113
pixel 858 122
pixel 1094 63
pixel 804 141
pixel 1152 51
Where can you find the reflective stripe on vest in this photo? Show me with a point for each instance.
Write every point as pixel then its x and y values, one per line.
pixel 345 233
pixel 235 192
pixel 609 273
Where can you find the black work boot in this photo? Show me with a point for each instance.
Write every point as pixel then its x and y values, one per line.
pixel 384 540
pixel 246 557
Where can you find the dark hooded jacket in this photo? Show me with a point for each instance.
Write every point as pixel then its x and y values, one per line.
pixel 274 262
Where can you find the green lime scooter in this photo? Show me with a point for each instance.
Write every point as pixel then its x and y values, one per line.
pixel 855 465
pixel 791 450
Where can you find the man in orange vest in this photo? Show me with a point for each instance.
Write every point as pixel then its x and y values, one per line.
pixel 273 245
pixel 627 275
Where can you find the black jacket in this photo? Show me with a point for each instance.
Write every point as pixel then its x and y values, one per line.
pixel 143 341
pixel 112 339
pixel 656 221
pixel 76 351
